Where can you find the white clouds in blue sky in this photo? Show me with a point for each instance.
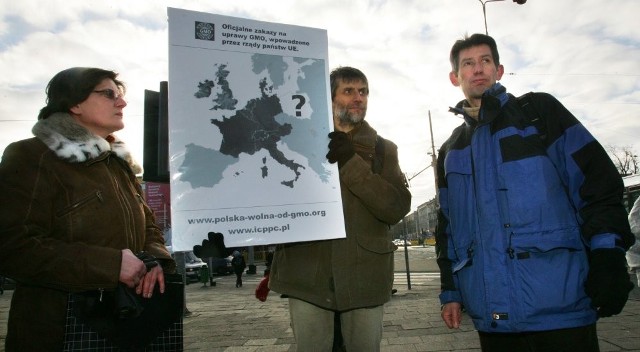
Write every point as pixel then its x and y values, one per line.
pixel 586 53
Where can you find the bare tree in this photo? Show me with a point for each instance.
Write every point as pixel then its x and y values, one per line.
pixel 625 160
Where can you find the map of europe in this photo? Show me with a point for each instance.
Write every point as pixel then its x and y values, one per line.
pixel 266 122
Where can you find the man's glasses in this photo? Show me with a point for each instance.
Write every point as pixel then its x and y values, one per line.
pixel 109 94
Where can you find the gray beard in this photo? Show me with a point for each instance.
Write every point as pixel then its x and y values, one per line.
pixel 347 118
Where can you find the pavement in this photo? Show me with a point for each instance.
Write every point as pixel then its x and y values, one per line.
pixel 226 318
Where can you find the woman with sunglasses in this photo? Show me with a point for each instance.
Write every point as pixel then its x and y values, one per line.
pixel 72 213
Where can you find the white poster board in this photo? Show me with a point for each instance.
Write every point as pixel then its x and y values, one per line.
pixel 249 114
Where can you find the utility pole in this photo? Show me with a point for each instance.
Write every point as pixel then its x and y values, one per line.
pixel 433 159
pixel 417 213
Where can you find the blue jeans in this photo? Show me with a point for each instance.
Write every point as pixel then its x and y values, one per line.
pixel 313 327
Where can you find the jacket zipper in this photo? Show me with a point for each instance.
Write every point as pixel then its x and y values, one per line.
pixel 470 252
pixel 81 202
pixel 127 211
pixel 510 250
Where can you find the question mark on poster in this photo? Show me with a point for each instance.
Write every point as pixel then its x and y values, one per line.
pixel 301 102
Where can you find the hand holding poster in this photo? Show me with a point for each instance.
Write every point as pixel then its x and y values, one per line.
pixel 248 122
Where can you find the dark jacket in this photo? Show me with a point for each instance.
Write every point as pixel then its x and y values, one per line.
pixel 356 271
pixel 70 202
pixel 518 214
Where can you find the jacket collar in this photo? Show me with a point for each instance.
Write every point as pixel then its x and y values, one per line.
pixel 492 100
pixel 73 143
pixel 363 136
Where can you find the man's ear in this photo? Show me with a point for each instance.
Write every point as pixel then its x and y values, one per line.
pixel 499 72
pixel 453 77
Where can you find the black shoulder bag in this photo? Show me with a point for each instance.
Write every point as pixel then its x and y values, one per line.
pixel 121 319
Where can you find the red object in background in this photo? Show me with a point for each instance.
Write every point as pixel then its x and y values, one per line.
pixel 263 289
pixel 158 197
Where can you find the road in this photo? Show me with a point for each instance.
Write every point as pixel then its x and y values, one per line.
pixel 420 259
pixel 423 270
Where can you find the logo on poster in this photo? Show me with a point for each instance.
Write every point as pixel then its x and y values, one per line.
pixel 205 31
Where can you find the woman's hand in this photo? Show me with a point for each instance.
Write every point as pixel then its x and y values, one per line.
pixel 132 269
pixel 149 280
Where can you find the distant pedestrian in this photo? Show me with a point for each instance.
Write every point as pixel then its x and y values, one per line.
pixel 238 265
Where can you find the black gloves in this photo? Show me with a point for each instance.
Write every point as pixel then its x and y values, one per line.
pixel 340 148
pixel 608 283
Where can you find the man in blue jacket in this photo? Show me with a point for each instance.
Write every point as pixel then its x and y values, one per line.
pixel 531 232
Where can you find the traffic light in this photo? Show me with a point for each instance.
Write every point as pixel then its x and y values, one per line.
pixel 155 159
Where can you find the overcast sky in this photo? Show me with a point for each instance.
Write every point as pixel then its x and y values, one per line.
pixel 586 53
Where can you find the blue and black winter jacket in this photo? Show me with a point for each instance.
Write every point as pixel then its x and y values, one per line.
pixel 519 212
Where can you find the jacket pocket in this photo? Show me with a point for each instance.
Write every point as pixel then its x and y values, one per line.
pixel 460 202
pixel 464 255
pixel 471 280
pixel 299 264
pixel 376 244
pixel 534 188
pixel 546 241
pixel 95 196
pixel 549 271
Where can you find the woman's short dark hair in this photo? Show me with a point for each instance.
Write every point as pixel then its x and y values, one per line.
pixel 468 42
pixel 345 74
pixel 73 86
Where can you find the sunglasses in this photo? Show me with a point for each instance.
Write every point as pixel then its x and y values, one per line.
pixel 109 94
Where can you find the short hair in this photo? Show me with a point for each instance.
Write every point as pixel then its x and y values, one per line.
pixel 73 86
pixel 345 74
pixel 468 42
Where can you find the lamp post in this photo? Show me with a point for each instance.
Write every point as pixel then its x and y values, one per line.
pixel 484 10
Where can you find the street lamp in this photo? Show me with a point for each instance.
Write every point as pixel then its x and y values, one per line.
pixel 484 10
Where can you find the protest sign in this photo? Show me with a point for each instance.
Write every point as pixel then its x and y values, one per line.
pixel 249 114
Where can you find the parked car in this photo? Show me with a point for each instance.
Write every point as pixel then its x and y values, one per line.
pixel 221 266
pixel 400 242
pixel 192 266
